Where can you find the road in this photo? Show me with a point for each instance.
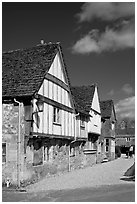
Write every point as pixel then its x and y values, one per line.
pixel 101 182
pixel 113 193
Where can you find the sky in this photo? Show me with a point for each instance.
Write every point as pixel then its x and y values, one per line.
pixel 97 38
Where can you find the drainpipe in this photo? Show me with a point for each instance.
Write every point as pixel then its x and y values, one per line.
pixel 18 149
pixel 75 125
pixel 69 168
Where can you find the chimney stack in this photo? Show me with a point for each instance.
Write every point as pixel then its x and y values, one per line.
pixel 42 42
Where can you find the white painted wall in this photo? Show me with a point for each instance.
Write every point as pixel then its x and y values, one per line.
pixel 57 69
pixel 58 94
pixel 112 145
pixel 95 102
pixel 94 125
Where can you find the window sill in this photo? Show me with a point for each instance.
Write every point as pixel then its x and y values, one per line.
pixel 54 123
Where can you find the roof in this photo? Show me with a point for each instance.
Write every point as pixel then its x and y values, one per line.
pixel 125 132
pixel 83 96
pixel 123 142
pixel 23 71
pixel 106 108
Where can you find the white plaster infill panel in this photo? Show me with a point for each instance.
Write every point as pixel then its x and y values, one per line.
pixel 95 102
pixel 57 69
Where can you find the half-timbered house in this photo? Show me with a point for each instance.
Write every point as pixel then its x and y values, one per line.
pixel 38 108
pixel 44 129
pixel 88 118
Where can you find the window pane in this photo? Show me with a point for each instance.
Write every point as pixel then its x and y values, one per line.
pixel 54 114
pixel 3 148
pixel 58 116
pixel 3 158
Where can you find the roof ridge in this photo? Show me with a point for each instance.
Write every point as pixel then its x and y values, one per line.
pixel 107 100
pixel 84 85
pixel 26 48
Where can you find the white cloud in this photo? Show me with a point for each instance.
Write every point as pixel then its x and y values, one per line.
pixel 120 37
pixel 106 10
pixel 127 89
pixel 126 107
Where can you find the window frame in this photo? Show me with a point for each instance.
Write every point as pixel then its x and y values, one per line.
pixel 82 121
pixel 107 145
pixel 112 126
pixel 128 139
pixel 56 115
pixel 46 156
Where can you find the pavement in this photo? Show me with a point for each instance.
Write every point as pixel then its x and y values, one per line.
pixel 109 173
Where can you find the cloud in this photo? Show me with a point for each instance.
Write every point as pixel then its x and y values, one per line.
pixel 126 107
pixel 111 93
pixel 127 89
pixel 106 10
pixel 120 37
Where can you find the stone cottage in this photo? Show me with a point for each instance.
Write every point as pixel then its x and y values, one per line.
pixel 45 128
pixel 125 137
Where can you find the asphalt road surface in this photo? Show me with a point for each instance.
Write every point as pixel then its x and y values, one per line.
pixel 113 193
pixel 99 183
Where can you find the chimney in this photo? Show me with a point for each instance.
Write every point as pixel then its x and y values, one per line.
pixel 42 42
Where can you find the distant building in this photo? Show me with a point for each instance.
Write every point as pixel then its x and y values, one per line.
pixel 125 136
pixel 108 117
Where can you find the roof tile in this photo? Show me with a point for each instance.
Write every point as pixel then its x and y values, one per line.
pixel 24 70
pixel 83 96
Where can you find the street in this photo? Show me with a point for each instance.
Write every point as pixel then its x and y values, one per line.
pixel 99 183
pixel 114 193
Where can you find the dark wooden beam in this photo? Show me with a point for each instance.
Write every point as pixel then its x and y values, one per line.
pixel 54 103
pixel 57 81
pixel 51 136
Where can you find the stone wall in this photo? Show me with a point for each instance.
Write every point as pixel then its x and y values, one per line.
pixel 10 121
pixel 60 157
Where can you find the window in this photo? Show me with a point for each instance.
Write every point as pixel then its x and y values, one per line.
pixel 3 152
pixel 128 139
pixel 46 153
pixel 123 125
pixel 112 126
pixel 56 115
pixel 72 151
pixel 82 121
pixel 107 145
